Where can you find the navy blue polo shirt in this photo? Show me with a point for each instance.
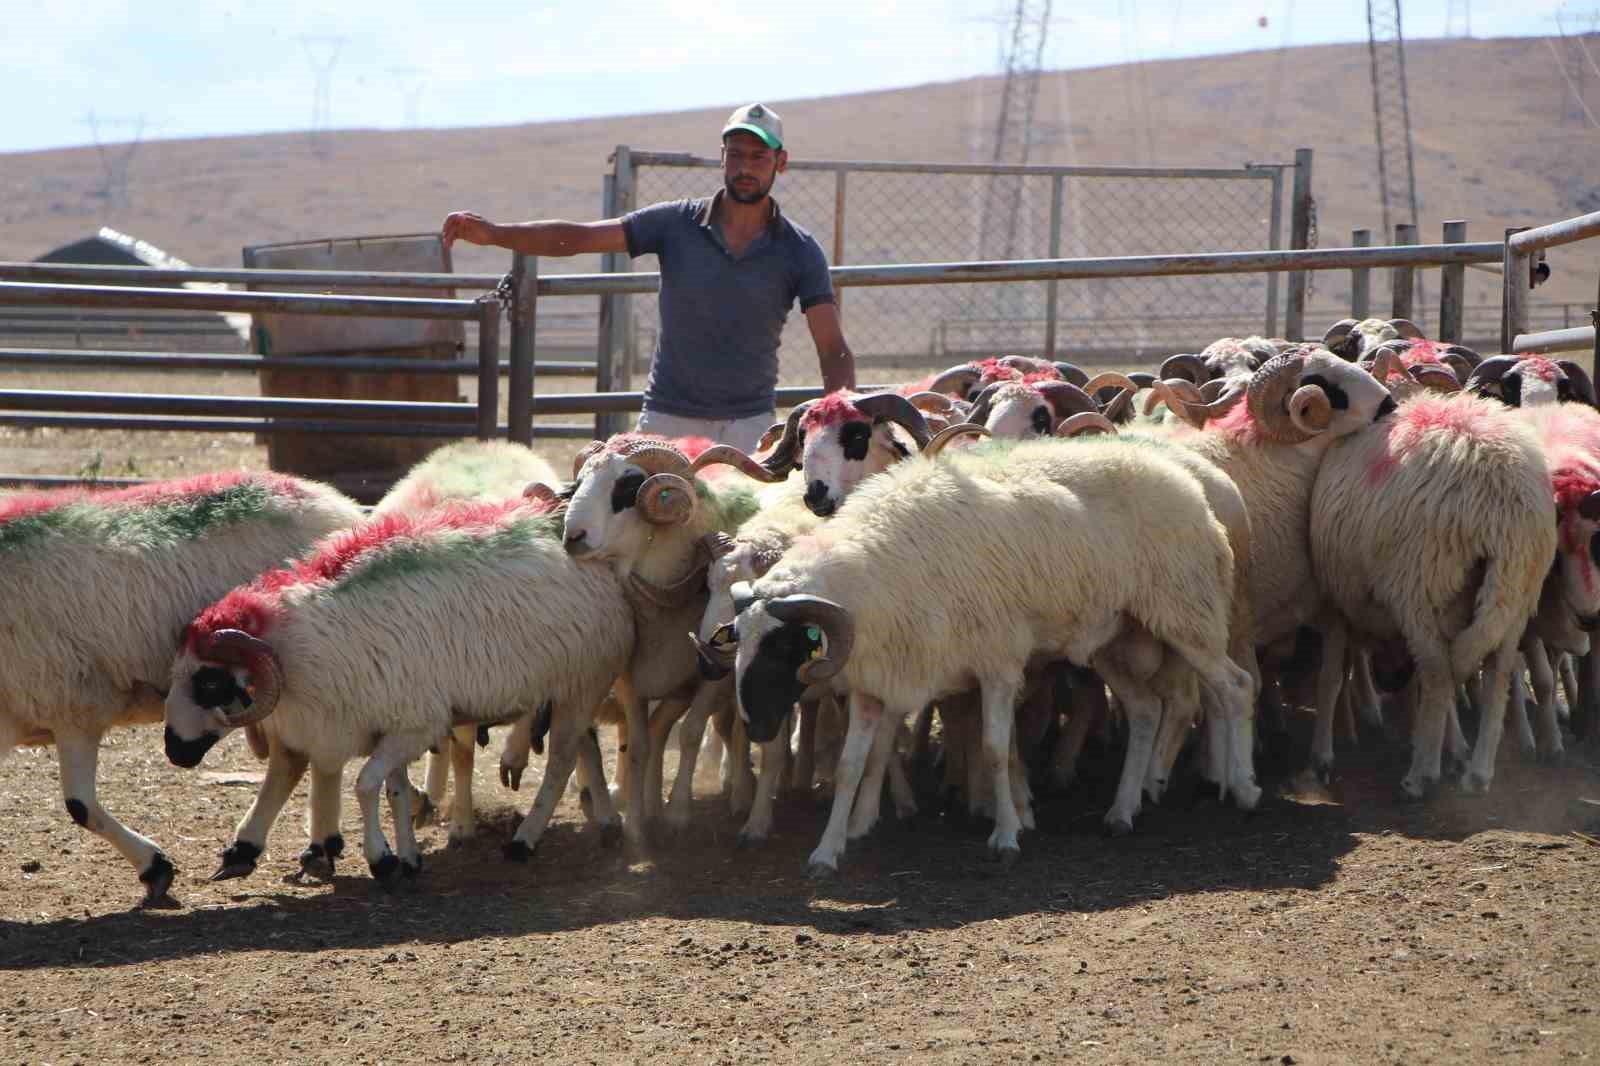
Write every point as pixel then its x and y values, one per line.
pixel 722 318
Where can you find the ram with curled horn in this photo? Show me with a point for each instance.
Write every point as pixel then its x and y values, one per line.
pixel 843 437
pixel 1531 380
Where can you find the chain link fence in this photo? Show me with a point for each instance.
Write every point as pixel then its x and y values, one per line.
pixel 885 213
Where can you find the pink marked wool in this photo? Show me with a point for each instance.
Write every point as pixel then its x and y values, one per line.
pixel 1427 414
pixel 33 503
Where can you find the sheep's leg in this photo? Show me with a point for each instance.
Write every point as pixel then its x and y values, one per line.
pixel 326 844
pixel 953 722
pixel 1543 679
pixel 715 748
pixel 805 758
pixel 438 777
pixel 1481 770
pixel 1434 703
pixel 662 719
pixel 514 756
pixel 1088 708
pixel 999 715
pixel 1021 792
pixel 691 731
pixel 463 819
pixel 1330 683
pixel 600 810
pixel 742 790
pixel 865 713
pixel 1177 719
pixel 1143 711
pixel 979 795
pixel 631 760
pixel 1517 711
pixel 921 739
pixel 1368 705
pixel 774 755
pixel 1344 712
pixel 1231 687
pixel 398 786
pixel 569 734
pixel 78 754
pixel 284 770
pixel 864 814
pixel 1569 684
pixel 723 722
pixel 1455 740
pixel 392 751
pixel 900 790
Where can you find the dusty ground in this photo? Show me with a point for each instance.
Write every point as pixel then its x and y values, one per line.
pixel 1328 927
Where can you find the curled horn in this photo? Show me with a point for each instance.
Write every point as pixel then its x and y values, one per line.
pixel 1310 409
pixel 1181 398
pixel 1279 404
pixel 773 434
pixel 1589 507
pixel 1187 367
pixel 538 490
pixel 1582 387
pixel 1386 362
pixel 728 455
pixel 1071 374
pixel 235 647
pixel 665 499
pixel 1213 389
pixel 893 407
pixel 1461 359
pixel 958 380
pixel 1120 408
pixel 1109 380
pixel 583 457
pixel 785 456
pixel 979 412
pixel 1142 378
pixel 1434 377
pixel 932 403
pixel 1490 371
pixel 1337 333
pixel 949 433
pixel 835 623
pixel 1091 422
pixel 716 658
pixel 1407 329
pixel 1066 399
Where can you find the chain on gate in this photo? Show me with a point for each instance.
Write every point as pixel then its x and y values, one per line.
pixel 1311 242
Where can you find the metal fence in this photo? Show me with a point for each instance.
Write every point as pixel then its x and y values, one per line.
pixel 886 213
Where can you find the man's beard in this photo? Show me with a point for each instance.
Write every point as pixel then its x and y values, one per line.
pixel 754 197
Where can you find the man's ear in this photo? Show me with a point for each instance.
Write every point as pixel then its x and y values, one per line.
pixel 783 160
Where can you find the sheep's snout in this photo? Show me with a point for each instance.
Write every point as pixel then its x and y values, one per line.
pixel 818 500
pixel 1385 409
pixel 188 753
pixel 577 542
pixel 1589 622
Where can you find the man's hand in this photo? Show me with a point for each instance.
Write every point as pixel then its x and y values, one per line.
pixel 467 226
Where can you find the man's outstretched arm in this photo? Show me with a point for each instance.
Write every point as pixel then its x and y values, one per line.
pixel 548 237
pixel 834 358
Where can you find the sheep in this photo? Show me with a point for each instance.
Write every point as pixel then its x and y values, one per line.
pixel 463 470
pixel 1355 341
pixel 1526 381
pixel 840 439
pixel 96 587
pixel 382 640
pixel 638 505
pixel 966 380
pixel 1467 479
pixel 1036 405
pixel 829 612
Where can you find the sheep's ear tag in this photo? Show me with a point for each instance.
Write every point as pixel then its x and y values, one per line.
pixel 813 634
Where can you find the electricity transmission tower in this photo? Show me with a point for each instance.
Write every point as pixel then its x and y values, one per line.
pixel 1391 114
pixel 115 158
pixel 1021 53
pixel 323 52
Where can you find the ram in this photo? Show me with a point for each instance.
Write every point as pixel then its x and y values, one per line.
pixel 1466 479
pixel 386 637
pixel 96 587
pixel 1094 575
pixel 842 438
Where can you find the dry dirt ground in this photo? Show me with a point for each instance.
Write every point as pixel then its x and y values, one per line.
pixel 1330 926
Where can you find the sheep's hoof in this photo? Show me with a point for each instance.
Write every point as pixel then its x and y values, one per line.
pixel 425 810
pixel 1553 759
pixel 458 838
pixel 1245 797
pixel 238 861
pixel 586 804
pixel 516 851
pixel 410 870
pixel 1006 857
pixel 384 869
pixel 821 871
pixel 1322 766
pixel 1473 783
pixel 315 862
pixel 611 835
pixel 1118 827
pixel 1413 790
pixel 748 839
pixel 157 879
pixel 511 776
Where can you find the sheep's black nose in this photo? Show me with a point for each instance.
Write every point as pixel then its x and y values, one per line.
pixel 1385 408
pixel 575 542
pixel 817 499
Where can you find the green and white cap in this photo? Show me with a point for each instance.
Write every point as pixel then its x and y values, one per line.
pixel 759 120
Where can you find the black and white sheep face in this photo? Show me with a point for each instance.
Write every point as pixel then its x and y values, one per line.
pixel 1358 398
pixel 770 655
pixel 1019 414
pixel 197 707
pixel 602 521
pixel 1577 567
pixel 836 458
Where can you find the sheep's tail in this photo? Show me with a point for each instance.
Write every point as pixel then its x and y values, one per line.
pixel 1498 614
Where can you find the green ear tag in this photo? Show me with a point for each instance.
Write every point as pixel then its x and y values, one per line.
pixel 813 634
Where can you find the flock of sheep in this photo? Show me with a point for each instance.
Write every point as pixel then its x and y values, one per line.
pixel 1377 525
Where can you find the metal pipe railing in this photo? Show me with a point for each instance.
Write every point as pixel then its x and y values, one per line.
pixel 1556 233
pixel 57 273
pixel 305 303
pixel 355 364
pixel 1578 338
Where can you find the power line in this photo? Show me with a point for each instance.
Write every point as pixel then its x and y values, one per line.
pixel 1568 78
pixel 115 160
pixel 322 51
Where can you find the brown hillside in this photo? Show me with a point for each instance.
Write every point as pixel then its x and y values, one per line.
pixel 1491 147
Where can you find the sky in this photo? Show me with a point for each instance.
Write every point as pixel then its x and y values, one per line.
pixel 107 71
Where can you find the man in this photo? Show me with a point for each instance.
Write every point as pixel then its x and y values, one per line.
pixel 732 265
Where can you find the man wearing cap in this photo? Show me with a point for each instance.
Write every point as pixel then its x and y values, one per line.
pixel 732 265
